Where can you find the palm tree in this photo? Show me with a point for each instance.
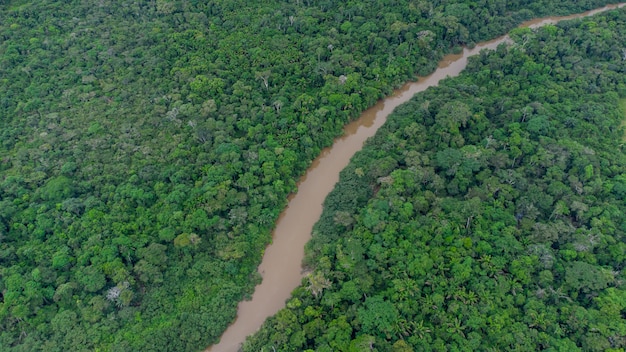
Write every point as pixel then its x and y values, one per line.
pixel 456 327
pixel 419 329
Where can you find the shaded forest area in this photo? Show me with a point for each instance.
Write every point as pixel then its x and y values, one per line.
pixel 147 147
pixel 489 212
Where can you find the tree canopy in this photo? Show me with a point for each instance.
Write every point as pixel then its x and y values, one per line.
pixel 147 148
pixel 486 214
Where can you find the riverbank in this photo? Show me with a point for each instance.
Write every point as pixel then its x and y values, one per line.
pixel 280 268
pixel 496 216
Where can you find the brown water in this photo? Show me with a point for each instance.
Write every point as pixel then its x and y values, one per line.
pixel 281 265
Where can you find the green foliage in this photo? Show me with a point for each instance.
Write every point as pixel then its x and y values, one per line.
pixel 147 148
pixel 493 218
pixel 377 316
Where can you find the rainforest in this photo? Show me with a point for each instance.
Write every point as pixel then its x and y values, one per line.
pixel 148 147
pixel 486 214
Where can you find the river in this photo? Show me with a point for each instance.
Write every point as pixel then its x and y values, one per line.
pixel 281 264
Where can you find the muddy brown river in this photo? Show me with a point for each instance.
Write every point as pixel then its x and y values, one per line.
pixel 281 265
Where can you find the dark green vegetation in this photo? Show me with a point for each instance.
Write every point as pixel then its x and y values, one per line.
pixel 486 214
pixel 623 104
pixel 147 147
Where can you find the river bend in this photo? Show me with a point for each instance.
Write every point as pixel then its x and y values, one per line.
pixel 281 264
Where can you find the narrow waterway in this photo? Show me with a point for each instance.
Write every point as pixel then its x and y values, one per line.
pixel 281 265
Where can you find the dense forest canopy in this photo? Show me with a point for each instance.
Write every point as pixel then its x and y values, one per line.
pixel 147 147
pixel 486 214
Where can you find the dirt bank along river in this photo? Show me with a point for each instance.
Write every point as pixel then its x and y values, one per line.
pixel 281 265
